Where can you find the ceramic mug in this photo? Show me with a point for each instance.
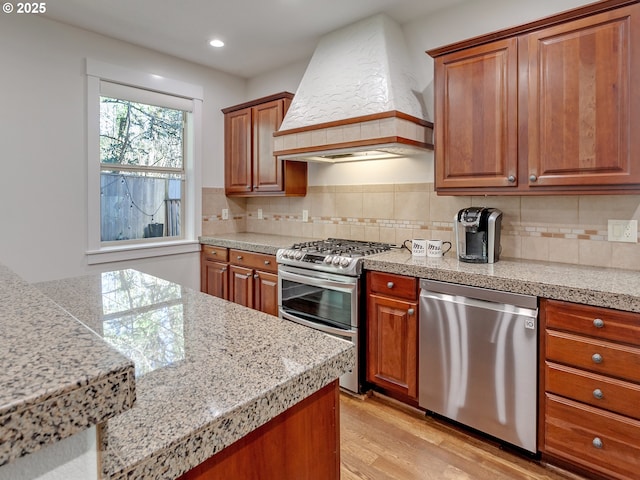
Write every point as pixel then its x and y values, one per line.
pixel 419 247
pixel 434 248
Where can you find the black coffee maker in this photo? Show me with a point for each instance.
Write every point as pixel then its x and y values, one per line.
pixel 478 234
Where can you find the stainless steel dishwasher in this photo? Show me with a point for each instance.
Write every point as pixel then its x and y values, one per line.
pixel 478 358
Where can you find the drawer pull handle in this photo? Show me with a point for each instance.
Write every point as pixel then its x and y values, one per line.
pixel 597 442
pixel 411 311
pixel 597 393
pixel 390 285
pixel 597 358
pixel 598 323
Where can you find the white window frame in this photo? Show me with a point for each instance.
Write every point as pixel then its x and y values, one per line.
pixel 191 223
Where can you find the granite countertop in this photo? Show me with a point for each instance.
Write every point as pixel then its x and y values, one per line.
pixel 605 287
pixel 58 377
pixel 208 371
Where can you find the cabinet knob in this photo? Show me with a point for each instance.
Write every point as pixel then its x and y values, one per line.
pixel 411 311
pixel 597 393
pixel 511 178
pixel 597 358
pixel 390 285
pixel 598 323
pixel 256 276
pixel 249 275
pixel 533 178
pixel 239 257
pixel 224 269
pixel 267 262
pixel 597 443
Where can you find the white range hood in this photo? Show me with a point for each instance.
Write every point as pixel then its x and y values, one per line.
pixel 356 100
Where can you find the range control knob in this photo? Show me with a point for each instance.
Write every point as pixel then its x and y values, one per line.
pixel 345 262
pixel 336 260
pixel 299 255
pixel 328 259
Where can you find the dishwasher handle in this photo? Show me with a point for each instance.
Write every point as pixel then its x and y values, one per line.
pixel 480 304
pixel 481 294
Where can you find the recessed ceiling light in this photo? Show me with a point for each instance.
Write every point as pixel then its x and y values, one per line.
pixel 216 43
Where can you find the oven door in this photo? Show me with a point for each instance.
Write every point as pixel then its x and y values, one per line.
pixel 320 300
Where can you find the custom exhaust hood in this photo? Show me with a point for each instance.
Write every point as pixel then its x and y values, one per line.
pixel 356 100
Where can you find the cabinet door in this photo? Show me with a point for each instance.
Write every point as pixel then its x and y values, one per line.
pixel 476 115
pixel 392 344
pixel 215 279
pixel 265 292
pixel 268 175
pixel 583 112
pixel 237 151
pixel 241 285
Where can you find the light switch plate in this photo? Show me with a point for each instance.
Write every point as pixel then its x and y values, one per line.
pixel 623 231
pixel 305 215
pixel 225 214
pixel 259 214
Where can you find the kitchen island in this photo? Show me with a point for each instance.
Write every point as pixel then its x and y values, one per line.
pixel 209 374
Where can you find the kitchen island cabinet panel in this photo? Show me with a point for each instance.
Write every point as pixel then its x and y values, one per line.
pixel 302 442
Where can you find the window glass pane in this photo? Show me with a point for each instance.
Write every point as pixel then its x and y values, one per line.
pixel 138 205
pixel 139 134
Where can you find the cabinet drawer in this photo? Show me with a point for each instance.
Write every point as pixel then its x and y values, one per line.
pixel 603 392
pixel 259 261
pixel 606 358
pixel 397 286
pixel 599 322
pixel 597 439
pixel 216 254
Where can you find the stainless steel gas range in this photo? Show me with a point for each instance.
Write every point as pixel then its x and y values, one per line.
pixel 319 285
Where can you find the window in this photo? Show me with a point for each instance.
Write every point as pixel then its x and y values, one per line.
pixel 143 190
pixel 141 170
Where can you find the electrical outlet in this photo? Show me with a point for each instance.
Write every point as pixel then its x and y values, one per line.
pixel 305 215
pixel 259 214
pixel 225 214
pixel 623 231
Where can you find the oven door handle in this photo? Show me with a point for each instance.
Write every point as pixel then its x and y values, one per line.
pixel 319 326
pixel 349 286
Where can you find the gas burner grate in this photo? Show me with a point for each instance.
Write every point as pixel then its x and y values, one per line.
pixel 343 247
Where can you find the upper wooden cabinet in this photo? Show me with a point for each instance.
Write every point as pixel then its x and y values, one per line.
pixel 544 108
pixel 251 169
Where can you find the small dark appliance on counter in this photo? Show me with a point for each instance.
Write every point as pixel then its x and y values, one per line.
pixel 478 234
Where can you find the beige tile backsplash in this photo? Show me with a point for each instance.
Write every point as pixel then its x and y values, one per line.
pixel 567 229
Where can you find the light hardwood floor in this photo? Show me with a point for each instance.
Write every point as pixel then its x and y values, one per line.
pixel 383 440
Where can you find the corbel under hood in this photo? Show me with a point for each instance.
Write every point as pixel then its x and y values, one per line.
pixel 356 100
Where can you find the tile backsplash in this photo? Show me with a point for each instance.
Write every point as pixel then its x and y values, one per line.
pixel 568 229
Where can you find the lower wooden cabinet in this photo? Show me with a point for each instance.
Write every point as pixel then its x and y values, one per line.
pixel 214 271
pixel 591 388
pixel 392 333
pixel 246 278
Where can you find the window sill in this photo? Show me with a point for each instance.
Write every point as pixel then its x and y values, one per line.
pixel 134 252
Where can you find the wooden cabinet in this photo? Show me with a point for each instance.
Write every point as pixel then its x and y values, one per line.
pixel 591 374
pixel 545 108
pixel 214 271
pixel 253 280
pixel 251 169
pixel 392 333
pixel 247 278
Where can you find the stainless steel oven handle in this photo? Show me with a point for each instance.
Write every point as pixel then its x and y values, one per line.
pixel 318 326
pixel 318 282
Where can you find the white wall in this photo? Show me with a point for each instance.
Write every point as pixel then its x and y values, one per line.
pixel 43 227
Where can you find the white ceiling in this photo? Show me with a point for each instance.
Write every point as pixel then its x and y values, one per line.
pixel 260 35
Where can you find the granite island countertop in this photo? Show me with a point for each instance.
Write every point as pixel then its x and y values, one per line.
pixel 208 371
pixel 605 287
pixel 58 377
